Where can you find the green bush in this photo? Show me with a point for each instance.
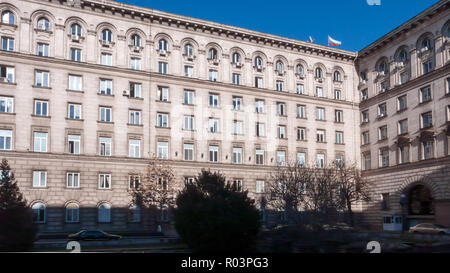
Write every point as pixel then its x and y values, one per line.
pixel 212 217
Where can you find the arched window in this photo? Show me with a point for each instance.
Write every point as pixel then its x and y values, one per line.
pixel 337 76
pixel 72 213
pixel 135 40
pixel 162 45
pixel 236 58
pixel 107 35
pixel 258 61
pixel 403 56
pixel 382 66
pixel 188 50
pixel 318 72
pixel 426 43
pixel 76 30
pixel 300 69
pixel 134 213
pixel 280 66
pixel 8 17
pixel 38 212
pixel 43 24
pixel 104 213
pixel 212 54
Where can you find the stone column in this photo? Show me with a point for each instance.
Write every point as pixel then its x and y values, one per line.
pixel 413 60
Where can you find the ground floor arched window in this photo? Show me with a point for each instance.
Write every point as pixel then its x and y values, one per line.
pixel 39 212
pixel 420 201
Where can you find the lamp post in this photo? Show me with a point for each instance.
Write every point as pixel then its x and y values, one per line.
pixel 402 204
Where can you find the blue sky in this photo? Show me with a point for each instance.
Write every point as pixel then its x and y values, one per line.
pixel 353 22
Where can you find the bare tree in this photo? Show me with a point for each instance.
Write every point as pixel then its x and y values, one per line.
pixel 157 191
pixel 352 186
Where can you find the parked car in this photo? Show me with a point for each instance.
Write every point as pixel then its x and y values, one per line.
pixel 429 228
pixel 93 235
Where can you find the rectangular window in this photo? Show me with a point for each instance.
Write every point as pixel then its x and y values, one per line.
pixel 403 127
pixel 237 155
pixel 42 50
pixel 105 114
pixel 74 111
pixel 135 63
pixel 258 82
pixel 163 93
pixel 403 77
pixel 41 108
pixel 319 91
pixel 428 149
pixel 105 146
pixel 300 89
pixel 320 113
pixel 39 179
pixel 189 97
pixel 5 139
pixel 259 106
pixel 238 185
pixel 301 159
pixel 281 158
pixel 367 162
pixel 301 111
pixel 7 44
pixel 385 201
pixel 237 127
pixel 73 144
pixel 301 133
pixel 339 116
pixel 337 94
pixel 104 181
pixel 188 123
pixel 236 79
pixel 135 90
pixel 163 150
pixel 403 153
pixel 321 161
pixel 364 94
pixel 42 78
pixel 135 117
pixel 280 85
pixel 73 180
pixel 213 75
pixel 259 157
pixel 213 100
pixel 237 103
pixel 162 67
pixel 427 120
pixel 135 148
pixel 134 181
pixel 425 94
pixel 339 137
pixel 447 89
pixel 365 116
pixel 40 142
pixel 75 83
pixel 281 131
pixel 260 129
pixel 382 110
pixel 427 67
pixel 382 133
pixel 105 87
pixel 6 105
pixel 321 136
pixel 162 120
pixel 188 152
pixel 7 74
pixel 384 158
pixel 259 186
pixel 213 125
pixel 75 54
pixel 188 71
pixel 213 153
pixel 365 138
pixel 281 109
pixel 106 59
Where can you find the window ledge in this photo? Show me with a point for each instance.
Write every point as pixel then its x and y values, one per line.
pixel 402 110
pixel 75 91
pixel 381 117
pixel 162 101
pixel 133 98
pixel 341 144
pixel 135 125
pixel 8 113
pixel 74 119
pixel 425 102
pixel 41 87
pixel 8 83
pixel 322 120
pixel 161 127
pixel 37 116
pixel 105 122
pixel 106 95
pixel 339 122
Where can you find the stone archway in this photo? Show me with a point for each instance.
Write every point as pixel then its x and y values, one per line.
pixel 420 200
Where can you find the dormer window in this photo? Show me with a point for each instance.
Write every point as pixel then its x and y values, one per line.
pixel 106 36
pixel 76 30
pixel 236 58
pixel 300 70
pixel 43 24
pixel 212 54
pixel 135 40
pixel 162 45
pixel 337 76
pixel 280 67
pixel 318 73
pixel 8 17
pixel 189 50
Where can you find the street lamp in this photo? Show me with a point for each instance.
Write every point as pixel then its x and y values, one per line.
pixel 402 204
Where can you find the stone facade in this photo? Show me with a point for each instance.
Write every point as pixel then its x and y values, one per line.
pixel 79 59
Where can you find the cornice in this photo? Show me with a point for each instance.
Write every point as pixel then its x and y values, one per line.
pixel 149 76
pixel 442 71
pixel 149 15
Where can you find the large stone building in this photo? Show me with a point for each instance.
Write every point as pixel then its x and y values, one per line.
pixel 90 90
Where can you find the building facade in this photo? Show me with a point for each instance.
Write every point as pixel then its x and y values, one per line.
pixel 90 90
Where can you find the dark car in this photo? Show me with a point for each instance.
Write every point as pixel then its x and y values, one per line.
pixel 93 235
